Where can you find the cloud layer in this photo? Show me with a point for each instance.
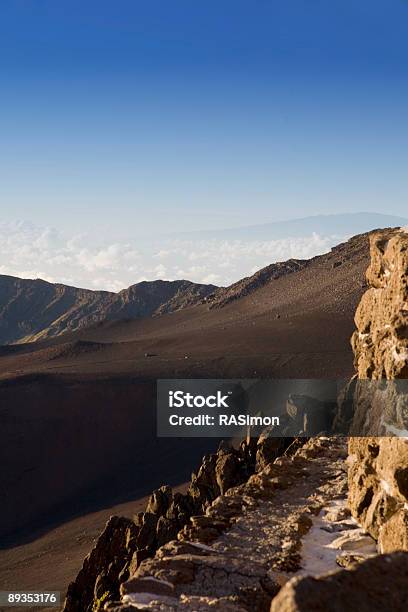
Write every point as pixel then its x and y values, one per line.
pixel 29 251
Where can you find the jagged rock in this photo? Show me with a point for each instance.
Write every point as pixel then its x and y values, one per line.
pixel 375 585
pixel 160 501
pixel 103 584
pixel 255 538
pixel 268 448
pixel 376 492
pixel 147 532
pixel 166 530
pixel 138 556
pixel 226 506
pixel 378 466
pixel 380 408
pixel 228 471
pixel 380 342
pixel 220 472
pixel 204 484
pixel 109 558
pixel 174 548
pixel 127 545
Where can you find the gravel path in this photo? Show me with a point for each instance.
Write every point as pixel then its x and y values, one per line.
pixel 249 543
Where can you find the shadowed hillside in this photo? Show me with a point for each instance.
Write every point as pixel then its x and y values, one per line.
pixel 35 309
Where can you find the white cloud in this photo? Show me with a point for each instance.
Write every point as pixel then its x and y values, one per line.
pixel 31 252
pixel 212 279
pixel 162 254
pixel 160 271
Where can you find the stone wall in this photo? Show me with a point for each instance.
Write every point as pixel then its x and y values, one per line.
pixel 378 466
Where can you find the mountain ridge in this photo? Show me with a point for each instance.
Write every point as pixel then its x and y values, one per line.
pixel 31 310
pixel 254 329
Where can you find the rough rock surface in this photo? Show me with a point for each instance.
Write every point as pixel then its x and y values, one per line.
pixel 98 579
pixel 377 585
pixel 124 544
pixel 378 495
pixel 237 555
pixel 381 340
pixel 378 474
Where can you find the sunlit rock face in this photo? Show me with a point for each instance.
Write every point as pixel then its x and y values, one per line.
pixel 378 466
pixel 380 342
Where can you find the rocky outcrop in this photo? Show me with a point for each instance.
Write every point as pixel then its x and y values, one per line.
pixel 375 402
pixel 232 557
pixel 378 489
pixel 374 408
pixel 98 581
pixel 378 474
pixel 35 309
pixel 124 544
pixel 376 585
pixel 380 343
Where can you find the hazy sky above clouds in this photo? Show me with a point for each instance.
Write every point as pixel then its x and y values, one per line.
pixel 121 120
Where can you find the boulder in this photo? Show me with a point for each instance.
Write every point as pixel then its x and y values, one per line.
pixel 378 584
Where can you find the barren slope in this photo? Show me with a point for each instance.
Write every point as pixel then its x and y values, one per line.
pixel 296 325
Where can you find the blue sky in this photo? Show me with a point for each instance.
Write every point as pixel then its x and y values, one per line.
pixel 139 116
